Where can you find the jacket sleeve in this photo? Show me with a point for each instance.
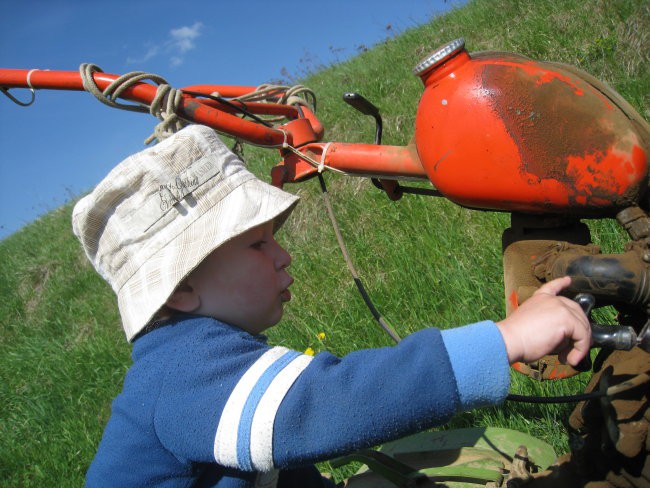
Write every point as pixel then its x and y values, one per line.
pixel 302 409
pixel 252 407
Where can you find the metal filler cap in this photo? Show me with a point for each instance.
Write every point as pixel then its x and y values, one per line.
pixel 439 56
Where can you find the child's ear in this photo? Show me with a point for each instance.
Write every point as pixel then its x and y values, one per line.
pixel 184 299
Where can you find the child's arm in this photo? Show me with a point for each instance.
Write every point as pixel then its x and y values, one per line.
pixel 547 323
pixel 255 407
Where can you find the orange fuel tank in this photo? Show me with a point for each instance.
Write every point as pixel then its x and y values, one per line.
pixel 500 131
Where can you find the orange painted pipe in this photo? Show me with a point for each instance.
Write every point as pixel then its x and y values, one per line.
pixel 191 108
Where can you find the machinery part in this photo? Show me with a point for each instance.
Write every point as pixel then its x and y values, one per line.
pixel 636 222
pixel 459 458
pixel 619 279
pixel 532 153
pixel 610 440
pixel 520 260
pixel 644 337
pixel 611 278
pixel 618 337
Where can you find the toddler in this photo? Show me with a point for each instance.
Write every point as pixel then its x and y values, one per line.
pixel 184 234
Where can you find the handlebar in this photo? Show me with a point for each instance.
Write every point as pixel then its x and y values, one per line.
pixel 619 337
pixel 613 336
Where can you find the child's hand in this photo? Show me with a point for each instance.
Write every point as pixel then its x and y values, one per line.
pixel 546 324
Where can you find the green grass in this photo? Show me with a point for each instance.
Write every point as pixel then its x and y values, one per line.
pixel 424 261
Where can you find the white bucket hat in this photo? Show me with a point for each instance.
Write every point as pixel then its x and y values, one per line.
pixel 160 212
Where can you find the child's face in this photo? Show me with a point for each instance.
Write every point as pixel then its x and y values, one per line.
pixel 244 282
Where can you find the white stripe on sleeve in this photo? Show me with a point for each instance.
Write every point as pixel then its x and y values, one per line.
pixel 261 444
pixel 225 442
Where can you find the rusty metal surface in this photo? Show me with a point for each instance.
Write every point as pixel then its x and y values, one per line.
pixel 565 131
pixel 503 132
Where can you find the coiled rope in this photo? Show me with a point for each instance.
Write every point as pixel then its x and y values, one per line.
pixel 281 94
pixel 170 121
pixel 168 99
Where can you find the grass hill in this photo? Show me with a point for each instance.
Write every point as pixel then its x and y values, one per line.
pixel 424 261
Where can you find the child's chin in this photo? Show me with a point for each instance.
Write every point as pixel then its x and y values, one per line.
pixel 273 321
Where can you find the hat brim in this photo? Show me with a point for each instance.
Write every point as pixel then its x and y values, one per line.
pixel 147 290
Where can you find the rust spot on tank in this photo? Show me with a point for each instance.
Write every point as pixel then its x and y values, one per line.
pixel 547 121
pixel 558 125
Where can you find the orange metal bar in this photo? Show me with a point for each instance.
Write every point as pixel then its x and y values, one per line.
pixel 192 109
pixel 387 162
pixel 316 125
pixel 226 91
pixel 369 159
pixel 254 107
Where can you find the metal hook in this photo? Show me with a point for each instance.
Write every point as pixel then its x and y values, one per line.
pixel 15 100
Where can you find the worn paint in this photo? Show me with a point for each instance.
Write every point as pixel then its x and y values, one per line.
pixel 564 134
pixel 520 135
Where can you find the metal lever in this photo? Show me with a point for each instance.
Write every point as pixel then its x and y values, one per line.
pixel 392 188
pixel 366 108
pixel 613 337
pixel 586 302
pixel 619 337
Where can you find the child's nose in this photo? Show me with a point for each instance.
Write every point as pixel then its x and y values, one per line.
pixel 283 258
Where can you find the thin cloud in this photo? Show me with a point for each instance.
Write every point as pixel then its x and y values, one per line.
pixel 152 52
pixel 180 41
pixel 183 37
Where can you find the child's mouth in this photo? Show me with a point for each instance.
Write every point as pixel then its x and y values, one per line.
pixel 285 296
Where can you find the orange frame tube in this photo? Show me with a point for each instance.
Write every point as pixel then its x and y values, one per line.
pixel 303 130
pixel 191 108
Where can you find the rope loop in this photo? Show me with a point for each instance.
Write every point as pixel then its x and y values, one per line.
pixel 283 95
pixel 319 165
pixel 165 95
pixel 112 91
pixel 170 121
pixel 167 100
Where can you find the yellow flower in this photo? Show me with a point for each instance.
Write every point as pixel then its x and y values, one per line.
pixel 309 351
pixel 321 336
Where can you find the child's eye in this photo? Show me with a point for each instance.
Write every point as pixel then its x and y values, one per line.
pixel 258 244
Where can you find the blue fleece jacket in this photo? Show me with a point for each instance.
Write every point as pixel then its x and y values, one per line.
pixel 208 404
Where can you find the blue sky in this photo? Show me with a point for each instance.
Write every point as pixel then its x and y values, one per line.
pixel 63 144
